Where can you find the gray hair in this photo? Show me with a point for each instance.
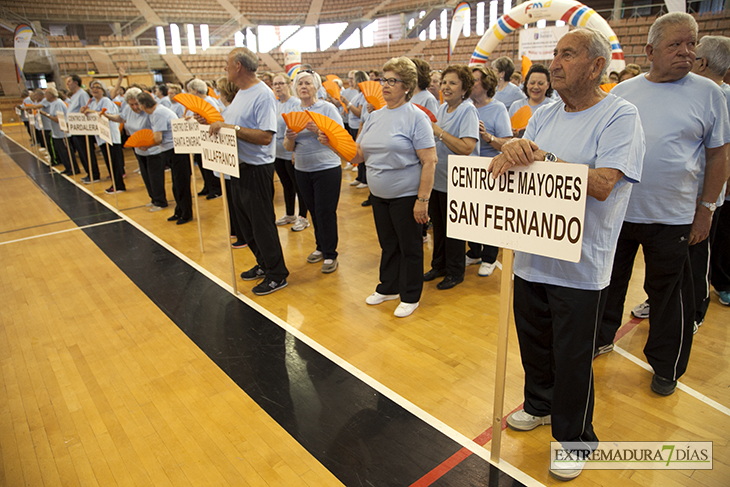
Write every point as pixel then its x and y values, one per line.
pixel 660 25
pixel 131 94
pixel 317 81
pixel 597 46
pixel 198 86
pixel 716 51
pixel 247 58
pixel 53 91
pixel 98 82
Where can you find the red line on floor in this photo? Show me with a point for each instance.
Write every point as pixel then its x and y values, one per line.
pixel 447 465
pixel 454 460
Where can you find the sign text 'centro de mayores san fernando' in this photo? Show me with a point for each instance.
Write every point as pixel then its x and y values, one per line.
pixel 538 209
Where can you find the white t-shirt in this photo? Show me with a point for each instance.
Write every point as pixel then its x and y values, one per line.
pixel 254 108
pixel 607 135
pixel 389 140
pixel 680 119
pixel 462 122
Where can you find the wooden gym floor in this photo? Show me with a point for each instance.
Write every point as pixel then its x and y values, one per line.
pixel 125 360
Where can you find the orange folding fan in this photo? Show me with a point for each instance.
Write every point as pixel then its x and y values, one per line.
pixel 332 89
pixel 297 121
pixel 141 138
pixel 521 117
pixel 119 104
pixel 213 94
pixel 198 105
pixel 608 86
pixel 428 112
pixel 339 139
pixel 373 93
pixel 332 77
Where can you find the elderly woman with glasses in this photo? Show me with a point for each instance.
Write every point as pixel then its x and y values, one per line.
pixel 318 171
pixel 100 102
pixel 398 145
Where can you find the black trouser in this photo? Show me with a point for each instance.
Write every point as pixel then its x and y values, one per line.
pixel 285 170
pixel 487 253
pixel 40 140
pixel 142 162
pixel 49 147
pixel 155 168
pixel 720 256
pixel 448 253
pixel 27 127
pixel 668 283
pixel 401 257
pixel 556 328
pixel 60 149
pixel 253 197
pixel 117 163
pixel 699 259
pixel 180 168
pixel 211 184
pixel 320 191
pixel 79 144
pixel 235 231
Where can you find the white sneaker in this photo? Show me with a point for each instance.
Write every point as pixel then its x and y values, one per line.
pixel 522 421
pixel 348 166
pixel 285 220
pixel 354 182
pixel 568 469
pixel 470 261
pixel 377 298
pixel 486 269
pixel 361 186
pixel 316 256
pixel 405 309
pixel 641 311
pixel 354 169
pixel 300 224
pixel 155 208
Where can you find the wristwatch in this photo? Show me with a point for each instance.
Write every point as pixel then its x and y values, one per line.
pixel 550 157
pixel 710 206
pixel 236 128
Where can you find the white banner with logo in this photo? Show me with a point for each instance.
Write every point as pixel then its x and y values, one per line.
pixel 540 43
pixel 538 209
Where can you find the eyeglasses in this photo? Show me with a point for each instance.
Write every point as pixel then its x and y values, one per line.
pixel 389 81
pixel 306 71
pixel 279 83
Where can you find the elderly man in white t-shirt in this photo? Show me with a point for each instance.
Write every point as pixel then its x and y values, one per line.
pixel 683 115
pixel 558 304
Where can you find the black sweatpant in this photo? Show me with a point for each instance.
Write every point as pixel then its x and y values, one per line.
pixel 287 178
pixel 448 253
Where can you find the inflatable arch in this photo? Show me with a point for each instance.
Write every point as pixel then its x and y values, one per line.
pixel 569 11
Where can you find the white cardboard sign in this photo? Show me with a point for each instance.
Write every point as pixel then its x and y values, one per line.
pixel 538 209
pixel 186 136
pixel 220 151
pixel 80 124
pixel 105 131
pixel 62 121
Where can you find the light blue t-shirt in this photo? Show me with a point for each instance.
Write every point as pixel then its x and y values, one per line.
pixel 607 135
pixel 23 113
pixel 216 104
pixel 111 109
pixel 526 102
pixel 462 122
pixel 350 94
pixel 178 108
pixel 680 119
pixel 56 105
pixel 310 154
pixel 254 108
pixel 358 101
pixel 509 95
pixel 496 122
pixel 426 100
pixel 165 102
pixel 160 120
pixel 134 122
pixel 44 122
pixel 77 100
pixel 291 105
pixel 389 140
pixel 701 176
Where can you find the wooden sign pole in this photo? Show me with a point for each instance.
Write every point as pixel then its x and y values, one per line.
pixel 508 256
pixel 197 207
pixel 70 157
pixel 227 217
